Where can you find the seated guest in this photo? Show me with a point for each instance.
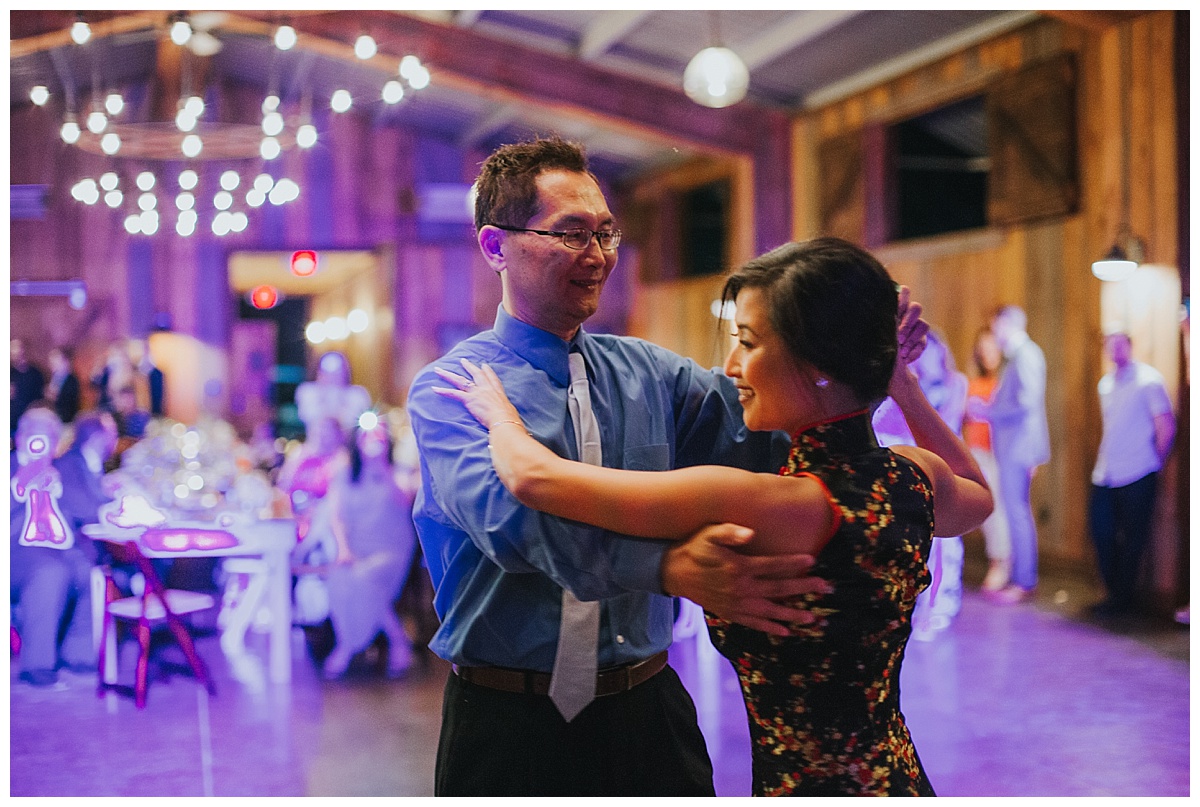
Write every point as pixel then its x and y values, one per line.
pixel 50 565
pixel 63 387
pixel 372 524
pixel 305 478
pixel 81 468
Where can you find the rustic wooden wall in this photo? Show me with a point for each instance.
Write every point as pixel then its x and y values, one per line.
pixel 1043 266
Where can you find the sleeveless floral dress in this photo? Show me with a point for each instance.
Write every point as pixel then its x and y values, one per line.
pixel 824 703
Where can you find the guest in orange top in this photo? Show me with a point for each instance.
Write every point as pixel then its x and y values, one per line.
pixel 986 357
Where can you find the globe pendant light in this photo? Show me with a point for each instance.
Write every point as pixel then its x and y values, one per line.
pixel 716 77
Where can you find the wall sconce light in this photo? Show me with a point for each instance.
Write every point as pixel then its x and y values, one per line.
pixel 1121 260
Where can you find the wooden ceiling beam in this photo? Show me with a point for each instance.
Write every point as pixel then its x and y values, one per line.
pixel 799 27
pixel 508 73
pixel 53 29
pixel 607 30
pixel 1097 21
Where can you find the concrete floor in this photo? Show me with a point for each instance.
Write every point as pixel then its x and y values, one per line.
pixel 1027 700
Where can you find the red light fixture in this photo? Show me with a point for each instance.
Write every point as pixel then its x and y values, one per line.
pixel 264 297
pixel 304 263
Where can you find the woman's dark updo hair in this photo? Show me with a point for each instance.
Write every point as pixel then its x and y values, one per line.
pixel 834 306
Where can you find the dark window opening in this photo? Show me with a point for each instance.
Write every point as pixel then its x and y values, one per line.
pixel 942 163
pixel 704 216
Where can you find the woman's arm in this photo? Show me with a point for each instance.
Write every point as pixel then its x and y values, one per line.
pixel 787 514
pixel 961 497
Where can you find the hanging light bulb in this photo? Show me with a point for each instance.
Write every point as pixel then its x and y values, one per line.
pixel 716 77
pixel 110 144
pixel 306 136
pixel 419 80
pixel 393 92
pixel 272 124
pixel 365 47
pixel 270 148
pixel 114 103
pixel 70 132
pixel 96 122
pixel 149 222
pixel 39 95
pixel 285 37
pixel 80 32
pixel 192 145
pixel 341 101
pixel 185 121
pixel 181 32
pixel 409 66
pixel 185 225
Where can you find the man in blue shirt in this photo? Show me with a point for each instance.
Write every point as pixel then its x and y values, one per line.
pixel 499 569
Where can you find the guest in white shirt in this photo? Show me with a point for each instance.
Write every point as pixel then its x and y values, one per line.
pixel 1139 428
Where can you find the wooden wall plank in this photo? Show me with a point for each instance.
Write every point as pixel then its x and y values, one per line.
pixel 1045 267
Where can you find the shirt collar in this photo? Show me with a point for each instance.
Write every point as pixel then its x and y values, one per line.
pixel 541 349
pixel 1016 344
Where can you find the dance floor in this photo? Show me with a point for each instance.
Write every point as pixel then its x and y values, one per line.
pixel 1026 700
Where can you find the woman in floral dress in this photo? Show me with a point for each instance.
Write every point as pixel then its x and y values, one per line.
pixel 816 351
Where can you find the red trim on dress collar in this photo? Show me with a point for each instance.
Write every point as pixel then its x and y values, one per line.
pixel 834 419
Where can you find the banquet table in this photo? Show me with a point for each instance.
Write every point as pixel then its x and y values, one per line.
pixel 262 549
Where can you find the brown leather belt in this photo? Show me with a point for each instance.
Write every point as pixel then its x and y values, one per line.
pixel 608 682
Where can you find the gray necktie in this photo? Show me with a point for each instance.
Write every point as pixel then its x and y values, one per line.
pixel 573 684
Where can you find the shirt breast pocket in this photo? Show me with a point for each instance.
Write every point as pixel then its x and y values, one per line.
pixel 648 458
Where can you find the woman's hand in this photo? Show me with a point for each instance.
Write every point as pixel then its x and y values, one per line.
pixel 911 330
pixel 482 394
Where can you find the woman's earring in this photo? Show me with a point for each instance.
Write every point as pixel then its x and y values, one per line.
pixel 822 382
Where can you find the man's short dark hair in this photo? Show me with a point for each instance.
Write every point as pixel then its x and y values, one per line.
pixel 506 190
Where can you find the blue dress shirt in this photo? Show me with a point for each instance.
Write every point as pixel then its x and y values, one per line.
pixel 498 567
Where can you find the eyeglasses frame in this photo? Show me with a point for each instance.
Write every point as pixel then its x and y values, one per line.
pixel 562 234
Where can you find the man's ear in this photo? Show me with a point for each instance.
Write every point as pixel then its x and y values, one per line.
pixel 491 244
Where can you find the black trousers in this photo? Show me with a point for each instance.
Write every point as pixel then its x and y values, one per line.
pixel 644 742
pixel 1121 521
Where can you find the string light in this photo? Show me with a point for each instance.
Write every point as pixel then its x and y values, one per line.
pixel 81 32
pixel 285 37
pixel 365 47
pixel 97 130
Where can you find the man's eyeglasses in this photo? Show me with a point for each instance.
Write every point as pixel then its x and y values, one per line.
pixel 576 237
